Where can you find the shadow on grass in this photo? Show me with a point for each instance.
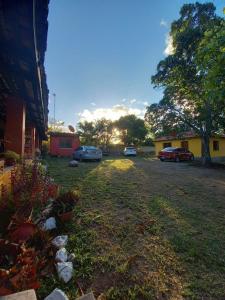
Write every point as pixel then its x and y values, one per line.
pixel 192 224
pixel 139 242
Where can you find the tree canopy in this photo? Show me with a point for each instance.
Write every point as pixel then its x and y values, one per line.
pixel 132 129
pixel 193 82
pixel 129 129
pixel 87 132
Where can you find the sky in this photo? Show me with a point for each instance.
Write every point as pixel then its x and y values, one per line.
pixel 101 55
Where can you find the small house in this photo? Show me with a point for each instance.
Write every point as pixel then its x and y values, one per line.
pixel 193 143
pixel 63 143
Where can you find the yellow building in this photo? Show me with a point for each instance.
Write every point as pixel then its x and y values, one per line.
pixel 192 143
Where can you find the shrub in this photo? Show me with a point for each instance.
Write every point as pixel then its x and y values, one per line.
pixel 65 202
pixel 10 157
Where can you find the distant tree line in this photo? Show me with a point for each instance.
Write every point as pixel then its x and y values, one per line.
pixel 128 130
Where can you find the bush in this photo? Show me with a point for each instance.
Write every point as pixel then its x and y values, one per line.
pixel 10 157
pixel 65 202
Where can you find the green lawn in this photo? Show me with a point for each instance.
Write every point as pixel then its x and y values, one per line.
pixel 145 229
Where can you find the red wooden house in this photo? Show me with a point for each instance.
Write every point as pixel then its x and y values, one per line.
pixel 63 143
pixel 23 88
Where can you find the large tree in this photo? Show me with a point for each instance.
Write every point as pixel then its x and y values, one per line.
pixel 104 131
pixel 87 132
pixel 133 129
pixel 187 100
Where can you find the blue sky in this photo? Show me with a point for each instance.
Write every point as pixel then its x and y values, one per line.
pixel 101 55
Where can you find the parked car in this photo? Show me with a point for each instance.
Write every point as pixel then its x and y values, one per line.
pixel 87 153
pixel 130 151
pixel 175 154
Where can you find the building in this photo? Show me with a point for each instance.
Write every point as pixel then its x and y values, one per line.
pixel 193 143
pixel 63 143
pixel 23 88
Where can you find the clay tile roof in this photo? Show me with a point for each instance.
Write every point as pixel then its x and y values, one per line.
pixel 184 135
pixel 63 134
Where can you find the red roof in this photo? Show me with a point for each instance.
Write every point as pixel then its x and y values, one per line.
pixel 63 134
pixel 184 135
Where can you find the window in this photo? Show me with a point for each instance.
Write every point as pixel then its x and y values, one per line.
pixel 65 143
pixel 184 144
pixel 215 145
pixel 166 145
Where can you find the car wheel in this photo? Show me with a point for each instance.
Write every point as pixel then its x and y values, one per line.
pixel 177 159
pixel 162 159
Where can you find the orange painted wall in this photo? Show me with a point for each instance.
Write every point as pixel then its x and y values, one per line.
pixel 55 148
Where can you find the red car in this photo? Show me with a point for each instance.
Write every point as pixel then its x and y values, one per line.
pixel 175 154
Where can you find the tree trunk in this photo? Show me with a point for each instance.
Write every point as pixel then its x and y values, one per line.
pixel 206 156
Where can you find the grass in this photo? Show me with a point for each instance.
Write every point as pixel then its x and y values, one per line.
pixel 136 238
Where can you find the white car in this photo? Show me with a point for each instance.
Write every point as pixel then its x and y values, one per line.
pixel 130 151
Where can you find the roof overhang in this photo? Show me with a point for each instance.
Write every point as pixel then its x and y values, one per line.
pixel 23 35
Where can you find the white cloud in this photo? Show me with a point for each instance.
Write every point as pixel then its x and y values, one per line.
pixel 93 103
pixel 169 45
pixel 163 23
pixel 124 100
pixel 133 101
pixel 113 113
pixel 145 103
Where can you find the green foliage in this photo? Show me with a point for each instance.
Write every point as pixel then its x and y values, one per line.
pixel 55 125
pixel 210 59
pixel 87 132
pixel 104 131
pixel 11 156
pixel 96 133
pixel 188 101
pixel 133 129
pixel 164 122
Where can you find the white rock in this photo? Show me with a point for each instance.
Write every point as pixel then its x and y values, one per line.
pixel 71 257
pixel 46 211
pixel 65 271
pixel 50 201
pixel 61 255
pixel 49 224
pixel 73 163
pixel 57 294
pixel 60 241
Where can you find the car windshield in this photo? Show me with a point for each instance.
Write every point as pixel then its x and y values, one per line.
pixel 130 148
pixel 90 148
pixel 169 149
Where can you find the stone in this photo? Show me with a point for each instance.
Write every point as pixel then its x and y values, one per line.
pixel 71 257
pixel 89 296
pixel 60 241
pixel 73 163
pixel 65 270
pixel 61 255
pixel 57 294
pixel 49 224
pixel 46 211
pixel 25 295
